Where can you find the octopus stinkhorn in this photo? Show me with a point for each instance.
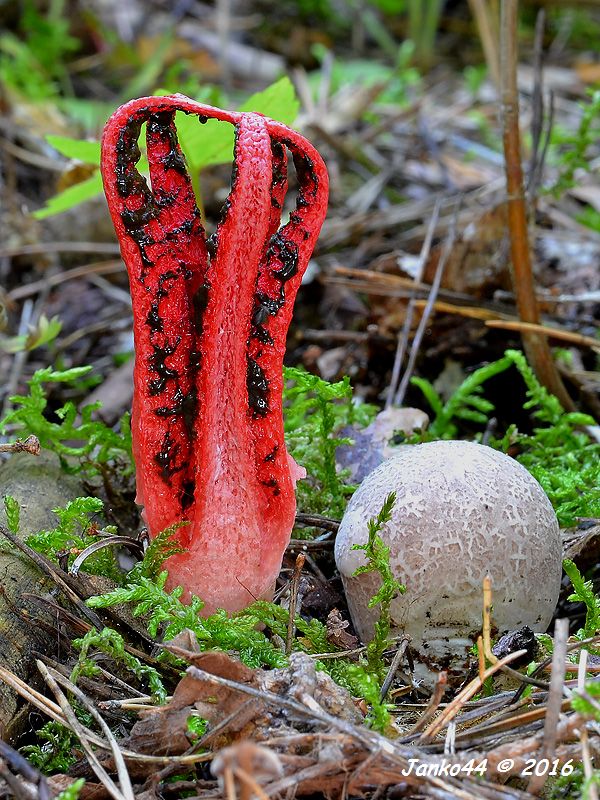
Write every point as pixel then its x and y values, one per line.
pixel 210 321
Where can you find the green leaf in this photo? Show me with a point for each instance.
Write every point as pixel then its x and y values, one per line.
pixel 71 197
pixel 212 143
pixel 277 101
pixel 89 115
pixel 79 149
pixel 202 145
pixel 45 331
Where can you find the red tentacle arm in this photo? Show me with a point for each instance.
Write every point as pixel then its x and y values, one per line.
pixel 210 322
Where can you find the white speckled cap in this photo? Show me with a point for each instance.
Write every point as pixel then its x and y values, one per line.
pixel 462 511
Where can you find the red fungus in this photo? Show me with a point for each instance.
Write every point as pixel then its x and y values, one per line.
pixel 210 323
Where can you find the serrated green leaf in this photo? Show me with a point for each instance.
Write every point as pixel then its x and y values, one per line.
pixel 71 197
pixel 79 149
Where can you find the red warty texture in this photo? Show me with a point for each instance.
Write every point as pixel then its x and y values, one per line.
pixel 210 323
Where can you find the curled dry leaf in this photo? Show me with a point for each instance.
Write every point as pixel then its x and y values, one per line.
pixel 242 715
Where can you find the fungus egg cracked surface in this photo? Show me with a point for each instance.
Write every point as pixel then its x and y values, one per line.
pixel 462 511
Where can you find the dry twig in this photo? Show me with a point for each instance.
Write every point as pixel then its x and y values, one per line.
pixel 536 345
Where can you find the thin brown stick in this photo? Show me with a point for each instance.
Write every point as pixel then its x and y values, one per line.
pixel 318 521
pixel 294 586
pixel 469 312
pixel 97 268
pixel 396 660
pixel 50 569
pixel 465 694
pixel 552 333
pixel 59 247
pixel 535 345
pixel 432 706
pixel 29 445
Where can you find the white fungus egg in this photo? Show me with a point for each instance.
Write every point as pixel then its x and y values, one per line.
pixel 462 511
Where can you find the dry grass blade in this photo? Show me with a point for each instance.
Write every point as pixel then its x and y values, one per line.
pixel 555 699
pixel 472 688
pixel 125 790
pixel 42 703
pixel 423 322
pixel 380 283
pixel 396 661
pixel 470 312
pixel 517 721
pixel 405 333
pixel 488 32
pixel 142 703
pixel 32 696
pixel 540 129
